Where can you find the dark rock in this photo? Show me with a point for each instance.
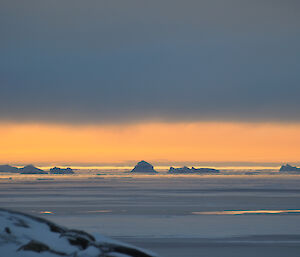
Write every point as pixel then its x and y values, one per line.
pixel 34 246
pixel 78 238
pixel 7 230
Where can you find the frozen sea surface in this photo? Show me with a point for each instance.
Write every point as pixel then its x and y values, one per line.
pixel 213 215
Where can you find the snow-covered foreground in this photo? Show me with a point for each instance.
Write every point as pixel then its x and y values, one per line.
pixel 23 235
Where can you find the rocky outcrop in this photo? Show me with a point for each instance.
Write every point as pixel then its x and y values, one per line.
pixel 187 170
pixel 143 167
pixel 30 169
pixel 8 169
pixel 26 235
pixel 57 170
pixel 288 168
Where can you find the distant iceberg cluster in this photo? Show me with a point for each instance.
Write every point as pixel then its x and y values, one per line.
pixel 30 169
pixel 147 168
pixel 141 167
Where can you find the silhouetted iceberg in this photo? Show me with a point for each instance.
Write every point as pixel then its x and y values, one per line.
pixel 287 168
pixel 187 170
pixel 143 167
pixel 182 170
pixel 30 169
pixel 57 170
pixel 9 169
pixel 205 170
pixel 26 235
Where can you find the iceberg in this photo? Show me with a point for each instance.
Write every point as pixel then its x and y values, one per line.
pixel 57 170
pixel 205 170
pixel 288 168
pixel 8 169
pixel 30 169
pixel 187 170
pixel 182 170
pixel 143 167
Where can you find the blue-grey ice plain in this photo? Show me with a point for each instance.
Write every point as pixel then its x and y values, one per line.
pixel 227 214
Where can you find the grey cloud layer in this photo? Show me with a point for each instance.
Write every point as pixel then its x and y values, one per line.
pixel 118 61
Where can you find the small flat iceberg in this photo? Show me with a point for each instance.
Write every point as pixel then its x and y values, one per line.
pixel 187 170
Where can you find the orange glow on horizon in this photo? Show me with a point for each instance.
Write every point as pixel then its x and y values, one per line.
pixel 198 141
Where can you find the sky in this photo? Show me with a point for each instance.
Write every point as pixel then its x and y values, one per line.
pixel 110 81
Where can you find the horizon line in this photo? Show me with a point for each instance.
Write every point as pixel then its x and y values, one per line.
pixel 158 164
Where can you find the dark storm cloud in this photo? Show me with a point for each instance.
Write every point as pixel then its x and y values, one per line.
pixel 117 61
